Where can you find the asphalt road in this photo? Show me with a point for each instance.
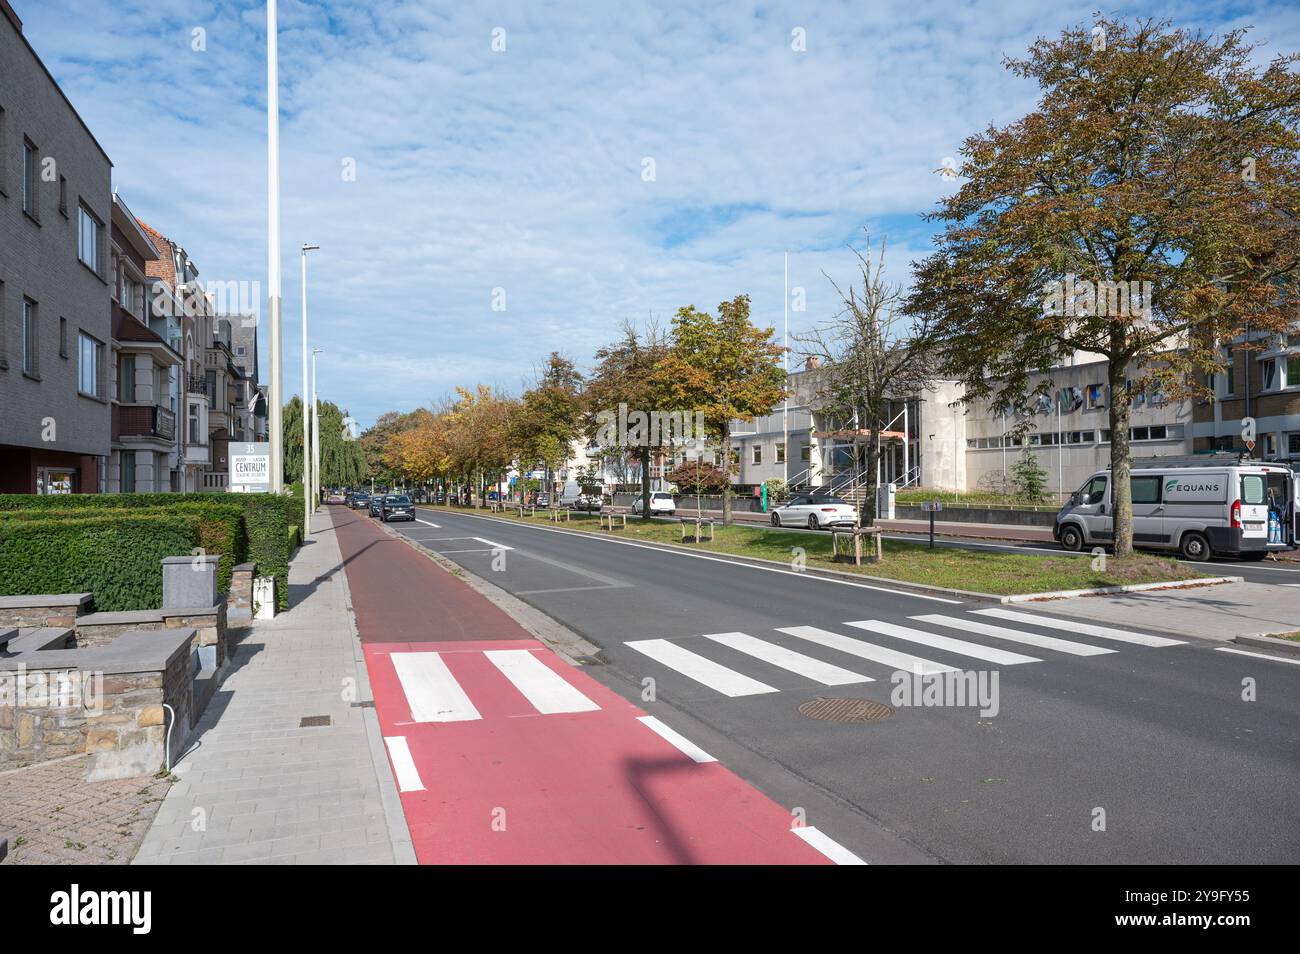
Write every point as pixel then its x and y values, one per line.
pixel 1140 754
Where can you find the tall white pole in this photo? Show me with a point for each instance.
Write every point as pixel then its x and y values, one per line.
pixel 785 408
pixel 315 433
pixel 308 506
pixel 275 389
pixel 1060 452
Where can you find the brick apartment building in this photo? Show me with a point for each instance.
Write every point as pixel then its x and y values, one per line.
pixel 1262 382
pixel 55 281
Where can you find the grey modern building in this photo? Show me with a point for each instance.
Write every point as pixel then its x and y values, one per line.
pixel 55 303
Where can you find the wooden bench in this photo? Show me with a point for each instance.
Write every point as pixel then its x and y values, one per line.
pixel 856 534
pixel 699 524
pixel 607 521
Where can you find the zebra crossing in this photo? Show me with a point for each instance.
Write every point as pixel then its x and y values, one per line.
pixel 871 644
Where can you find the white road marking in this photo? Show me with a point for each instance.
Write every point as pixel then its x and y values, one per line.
pixel 676 740
pixel 1015 636
pixel 827 846
pixel 494 546
pixel 788 659
pixel 1087 629
pixel 856 647
pixel 546 689
pixel 959 646
pixel 436 526
pixel 1242 652
pixel 738 563
pixel 408 776
pixel 432 692
pixel 694 666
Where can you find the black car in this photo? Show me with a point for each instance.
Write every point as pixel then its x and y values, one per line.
pixel 376 504
pixel 360 500
pixel 396 507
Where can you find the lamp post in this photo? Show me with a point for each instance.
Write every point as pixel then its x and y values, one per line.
pixel 307 505
pixel 315 433
pixel 275 396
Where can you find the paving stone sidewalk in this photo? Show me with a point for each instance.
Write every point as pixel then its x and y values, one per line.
pixel 53 816
pixel 258 787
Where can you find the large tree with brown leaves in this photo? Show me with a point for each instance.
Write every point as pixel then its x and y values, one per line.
pixel 1155 156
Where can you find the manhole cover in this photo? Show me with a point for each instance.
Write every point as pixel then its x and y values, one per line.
pixel 309 721
pixel 845 710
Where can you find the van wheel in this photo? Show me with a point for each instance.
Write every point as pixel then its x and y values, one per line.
pixel 1071 538
pixel 1195 547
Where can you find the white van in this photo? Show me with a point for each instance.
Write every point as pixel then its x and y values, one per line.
pixel 1205 506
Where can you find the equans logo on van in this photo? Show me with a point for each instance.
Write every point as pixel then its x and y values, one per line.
pixel 1176 486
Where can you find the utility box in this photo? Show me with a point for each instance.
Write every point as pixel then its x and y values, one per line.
pixel 885 497
pixel 190 581
pixel 264 597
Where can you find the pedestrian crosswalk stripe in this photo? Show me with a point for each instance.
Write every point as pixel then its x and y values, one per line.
pixel 856 647
pixel 1014 635
pixel 1087 629
pixel 788 659
pixel 959 646
pixel 1243 652
pixel 694 666
pixel 827 846
pixel 432 692
pixel 676 739
pixel 408 776
pixel 546 689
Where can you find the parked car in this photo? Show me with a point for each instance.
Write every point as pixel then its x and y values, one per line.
pixel 396 507
pixel 815 512
pixel 1197 507
pixel 360 500
pixel 589 502
pixel 376 505
pixel 335 497
pixel 542 501
pixel 661 502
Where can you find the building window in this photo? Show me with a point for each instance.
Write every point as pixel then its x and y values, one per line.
pixel 1292 371
pixel 31 179
pixel 1268 375
pixel 1096 396
pixel 195 428
pixel 1293 445
pixel 88 236
pixel 210 387
pixel 126 380
pixel 30 338
pixel 758 453
pixel 89 352
pixel 1270 446
pixel 127 462
pixel 780 452
pixel 805 453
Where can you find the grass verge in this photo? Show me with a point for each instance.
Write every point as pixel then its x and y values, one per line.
pixel 978 571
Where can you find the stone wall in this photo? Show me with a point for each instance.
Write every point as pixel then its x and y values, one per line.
pixel 209 625
pixel 60 610
pixel 239 601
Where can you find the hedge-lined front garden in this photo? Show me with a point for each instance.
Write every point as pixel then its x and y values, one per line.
pixel 240 527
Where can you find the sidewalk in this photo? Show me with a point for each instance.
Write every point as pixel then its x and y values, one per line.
pixel 1220 613
pixel 256 786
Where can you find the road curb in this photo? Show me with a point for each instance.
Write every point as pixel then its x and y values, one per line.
pixel 1264 641
pixel 1125 588
pixel 906 584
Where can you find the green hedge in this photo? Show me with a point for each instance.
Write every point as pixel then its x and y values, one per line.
pixel 118 558
pixel 221 527
pixel 267 518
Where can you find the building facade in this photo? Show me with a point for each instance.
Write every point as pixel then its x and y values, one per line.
pixel 55 282
pixel 1261 382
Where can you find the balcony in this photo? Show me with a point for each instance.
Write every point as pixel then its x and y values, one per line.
pixel 215 481
pixel 144 420
pixel 197 454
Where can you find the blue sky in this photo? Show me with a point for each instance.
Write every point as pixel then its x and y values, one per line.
pixel 524 169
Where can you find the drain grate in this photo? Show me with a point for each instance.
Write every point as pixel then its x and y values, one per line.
pixel 845 710
pixel 367 704
pixel 308 722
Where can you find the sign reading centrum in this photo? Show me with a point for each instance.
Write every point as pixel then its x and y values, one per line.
pixel 250 468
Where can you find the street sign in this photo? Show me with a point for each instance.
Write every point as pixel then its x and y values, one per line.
pixel 250 468
pixel 931 506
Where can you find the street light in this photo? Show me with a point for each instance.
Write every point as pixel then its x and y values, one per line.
pixel 307 505
pixel 275 396
pixel 315 432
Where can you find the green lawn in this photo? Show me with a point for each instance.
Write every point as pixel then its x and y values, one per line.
pixel 979 571
pixel 913 496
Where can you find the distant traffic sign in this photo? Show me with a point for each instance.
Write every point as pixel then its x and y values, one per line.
pixel 932 506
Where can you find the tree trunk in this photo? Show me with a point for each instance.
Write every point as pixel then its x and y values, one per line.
pixel 867 512
pixel 1121 461
pixel 726 488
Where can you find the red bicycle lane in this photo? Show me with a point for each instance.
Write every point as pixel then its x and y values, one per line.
pixel 506 754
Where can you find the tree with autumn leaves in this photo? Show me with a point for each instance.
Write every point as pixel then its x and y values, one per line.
pixel 1160 173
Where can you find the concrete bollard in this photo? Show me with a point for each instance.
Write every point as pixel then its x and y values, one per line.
pixel 190 581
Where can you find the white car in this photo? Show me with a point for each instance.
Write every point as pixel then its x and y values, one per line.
pixel 660 502
pixel 815 512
